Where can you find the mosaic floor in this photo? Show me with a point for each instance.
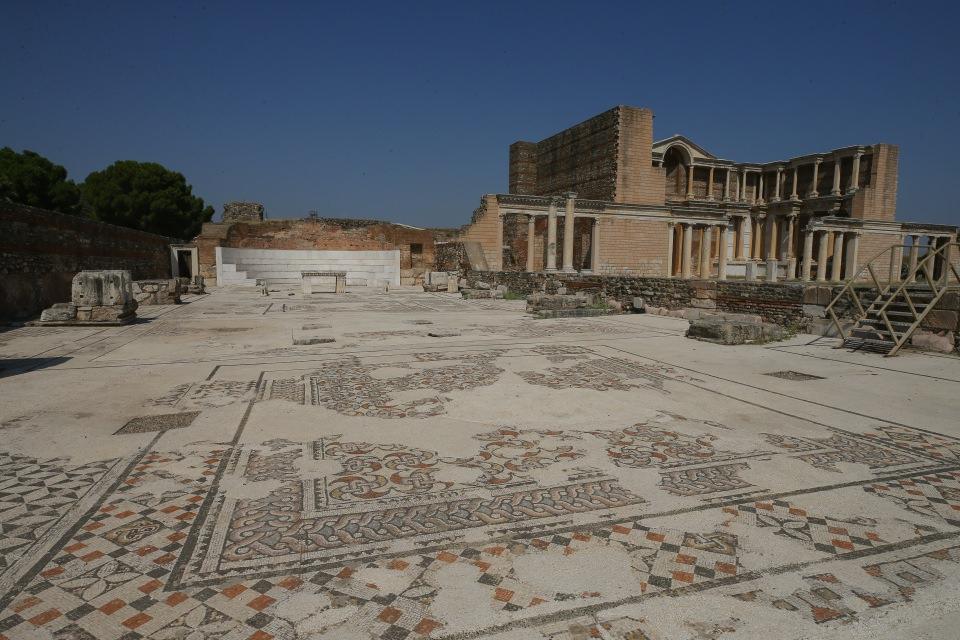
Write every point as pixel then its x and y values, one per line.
pixel 196 475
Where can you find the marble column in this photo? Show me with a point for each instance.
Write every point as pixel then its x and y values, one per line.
pixel 705 246
pixel 726 186
pixel 807 255
pixel 896 262
pixel 759 197
pixel 687 251
pixel 595 247
pixel 722 254
pixel 850 251
pixel 837 256
pixel 531 234
pixel 743 190
pixel 776 187
pixel 738 237
pixel 552 236
pixel 791 256
pixel 772 233
pixel 914 255
pixel 822 256
pixel 816 177
pixel 836 178
pixel 690 182
pixel 855 174
pixel 710 184
pixel 671 232
pixel 793 193
pixel 568 233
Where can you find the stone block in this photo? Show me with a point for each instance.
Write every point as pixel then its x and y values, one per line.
pixel 113 312
pixel 102 288
pixel 439 278
pixel 814 311
pixel 703 304
pixel 452 285
pixel 941 319
pixel 151 292
pixel 942 341
pixel 722 331
pixel 638 305
pixel 60 312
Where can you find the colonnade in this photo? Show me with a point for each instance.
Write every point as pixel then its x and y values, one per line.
pixel 774 241
pixel 569 220
pixel 736 188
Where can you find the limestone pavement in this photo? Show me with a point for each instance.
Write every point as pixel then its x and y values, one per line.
pixel 196 474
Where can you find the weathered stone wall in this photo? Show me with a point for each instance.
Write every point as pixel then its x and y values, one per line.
pixel 450 256
pixel 608 157
pixel 338 234
pixel 242 212
pixel 780 303
pixel 41 251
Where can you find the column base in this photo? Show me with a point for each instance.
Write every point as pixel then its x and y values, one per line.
pixel 792 269
pixel 772 270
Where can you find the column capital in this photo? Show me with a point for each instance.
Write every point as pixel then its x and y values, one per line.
pixel 818 160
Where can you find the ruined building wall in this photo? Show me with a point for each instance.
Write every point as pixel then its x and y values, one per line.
pixel 484 228
pixel 41 251
pixel 877 197
pixel 608 157
pixel 337 234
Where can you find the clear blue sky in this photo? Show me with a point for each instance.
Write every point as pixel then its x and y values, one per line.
pixel 404 111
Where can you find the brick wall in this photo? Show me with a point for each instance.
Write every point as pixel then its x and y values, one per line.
pixel 41 251
pixel 337 234
pixel 523 168
pixel 637 180
pixel 877 197
pixel 637 246
pixel 485 229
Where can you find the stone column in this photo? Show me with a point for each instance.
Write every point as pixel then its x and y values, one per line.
pixel 855 174
pixel 836 178
pixel 756 235
pixel 807 255
pixel 531 232
pixel 851 250
pixel 816 177
pixel 687 251
pixel 671 231
pixel 568 232
pixel 595 246
pixel 837 256
pixel 791 229
pixel 896 262
pixel 726 186
pixel 690 182
pixel 736 188
pixel 552 236
pixel 499 264
pixel 722 254
pixel 738 236
pixel 793 194
pixel 914 254
pixel 947 257
pixel 822 256
pixel 710 184
pixel 759 197
pixel 743 191
pixel 776 187
pixel 772 241
pixel 705 246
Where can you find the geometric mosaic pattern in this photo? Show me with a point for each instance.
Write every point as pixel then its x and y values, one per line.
pixel 936 495
pixel 823 533
pixel 34 494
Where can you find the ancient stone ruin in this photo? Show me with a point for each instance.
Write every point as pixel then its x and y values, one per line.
pixel 150 292
pixel 97 297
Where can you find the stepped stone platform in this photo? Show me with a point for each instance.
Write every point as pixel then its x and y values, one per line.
pixel 196 474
